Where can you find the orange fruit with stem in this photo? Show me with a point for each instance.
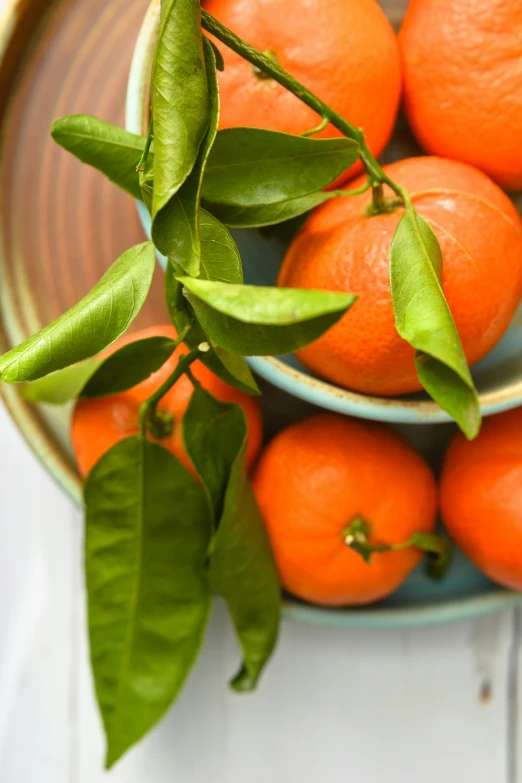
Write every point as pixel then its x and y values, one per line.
pixel 331 483
pixel 481 497
pixel 343 247
pixel 98 424
pixel 463 82
pixel 344 52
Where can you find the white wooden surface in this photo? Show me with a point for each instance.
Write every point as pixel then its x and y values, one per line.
pixel 335 706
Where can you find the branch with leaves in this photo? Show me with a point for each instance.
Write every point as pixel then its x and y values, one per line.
pixel 158 541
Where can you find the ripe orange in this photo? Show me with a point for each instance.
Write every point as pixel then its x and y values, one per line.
pixel 345 52
pixel 481 497
pixel 463 82
pixel 317 476
pixel 100 423
pixel 340 248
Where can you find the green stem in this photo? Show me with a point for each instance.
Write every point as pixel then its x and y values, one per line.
pixel 322 125
pixel 147 412
pixel 355 192
pixel 272 69
pixel 378 197
pixel 437 548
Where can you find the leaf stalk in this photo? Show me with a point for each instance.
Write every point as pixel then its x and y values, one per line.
pixel 148 414
pixel 274 71
pixel 437 548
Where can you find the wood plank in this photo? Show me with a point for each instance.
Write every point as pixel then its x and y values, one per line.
pixel 335 705
pixel 37 605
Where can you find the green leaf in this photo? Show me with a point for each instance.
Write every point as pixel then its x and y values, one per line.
pixel 180 312
pixel 61 386
pixel 453 395
pixel 176 229
pixel 243 572
pixel 267 214
pixel 213 433
pixel 91 325
pixel 147 537
pixel 231 368
pixel 129 366
pixel 220 259
pixel 423 318
pixel 180 100
pixel 113 151
pixel 220 63
pixel 242 566
pixel 259 321
pixel 251 167
pixel 122 370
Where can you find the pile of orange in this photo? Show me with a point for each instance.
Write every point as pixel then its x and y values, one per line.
pixel 345 470
pixel 458 66
pixel 322 481
pixel 318 480
pixel 461 83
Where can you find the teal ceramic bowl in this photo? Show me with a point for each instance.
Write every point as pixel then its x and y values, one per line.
pixel 465 592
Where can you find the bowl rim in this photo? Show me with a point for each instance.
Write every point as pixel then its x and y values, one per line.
pixel 340 400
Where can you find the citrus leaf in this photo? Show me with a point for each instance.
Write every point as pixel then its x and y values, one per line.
pixel 60 387
pixel 180 100
pixel 232 369
pixel 147 537
pixel 220 259
pixel 243 572
pixel 261 321
pixel 220 63
pixel 113 151
pixel 213 433
pixel 91 325
pixel 242 566
pixel 122 370
pixel 180 312
pixel 423 318
pixel 266 214
pixel 129 366
pixel 176 229
pixel 453 396
pixel 251 167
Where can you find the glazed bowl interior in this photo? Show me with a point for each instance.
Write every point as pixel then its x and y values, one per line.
pixel 498 376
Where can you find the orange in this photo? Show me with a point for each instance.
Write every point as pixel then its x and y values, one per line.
pixel 463 82
pixel 481 497
pixel 345 52
pixel 340 248
pixel 319 475
pixel 100 423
